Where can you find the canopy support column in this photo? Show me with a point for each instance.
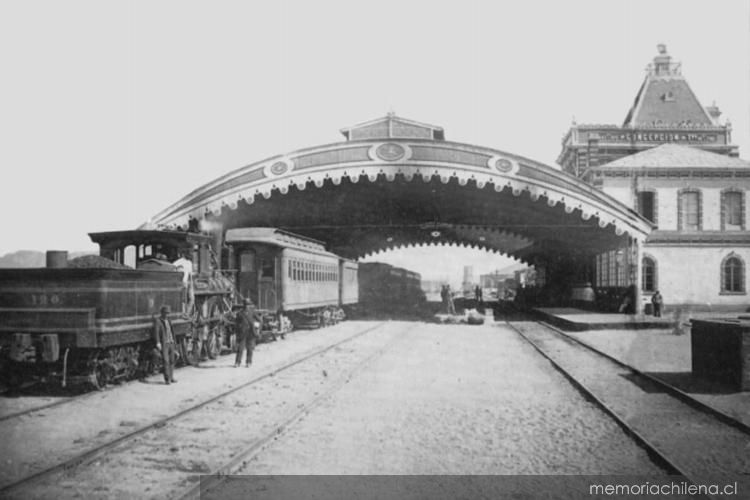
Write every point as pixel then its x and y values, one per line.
pixel 635 274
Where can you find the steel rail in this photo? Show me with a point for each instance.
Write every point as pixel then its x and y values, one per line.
pixel 219 475
pixel 100 450
pixel 656 454
pixel 674 391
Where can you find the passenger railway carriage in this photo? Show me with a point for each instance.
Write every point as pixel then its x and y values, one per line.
pixel 291 276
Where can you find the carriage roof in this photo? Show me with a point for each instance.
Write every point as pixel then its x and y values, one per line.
pixel 138 236
pixel 276 237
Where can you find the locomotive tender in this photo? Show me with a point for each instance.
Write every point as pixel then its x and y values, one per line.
pixel 96 322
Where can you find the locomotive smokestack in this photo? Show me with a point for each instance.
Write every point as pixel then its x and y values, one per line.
pixel 57 259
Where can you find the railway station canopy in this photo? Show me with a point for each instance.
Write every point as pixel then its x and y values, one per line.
pixel 395 183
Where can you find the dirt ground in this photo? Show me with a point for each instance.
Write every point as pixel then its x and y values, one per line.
pixel 455 399
pixel 38 440
pixel 444 399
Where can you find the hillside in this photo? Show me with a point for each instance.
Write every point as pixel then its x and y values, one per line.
pixel 31 258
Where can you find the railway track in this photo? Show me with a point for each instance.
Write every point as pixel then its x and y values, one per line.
pixel 219 474
pixel 23 488
pixel 70 398
pixel 710 444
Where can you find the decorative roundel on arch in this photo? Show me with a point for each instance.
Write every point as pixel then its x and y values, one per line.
pixel 390 151
pixel 279 167
pixel 502 164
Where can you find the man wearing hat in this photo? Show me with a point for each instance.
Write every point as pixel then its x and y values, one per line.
pixel 247 333
pixel 164 339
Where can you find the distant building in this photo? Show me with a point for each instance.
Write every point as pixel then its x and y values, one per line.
pixel 528 277
pixel 492 279
pixel 432 286
pixel 468 282
pixel 673 162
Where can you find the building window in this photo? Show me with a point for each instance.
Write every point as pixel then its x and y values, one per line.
pixel 732 210
pixel 689 216
pixel 733 275
pixel 648 274
pixel 646 205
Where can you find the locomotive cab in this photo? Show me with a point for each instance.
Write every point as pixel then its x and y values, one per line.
pixel 137 248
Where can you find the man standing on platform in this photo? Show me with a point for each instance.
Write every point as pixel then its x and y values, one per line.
pixel 247 322
pixel 657 302
pixel 164 339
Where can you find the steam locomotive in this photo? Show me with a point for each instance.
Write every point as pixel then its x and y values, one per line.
pixel 91 319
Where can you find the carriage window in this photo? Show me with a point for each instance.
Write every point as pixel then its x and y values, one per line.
pixel 129 256
pixel 247 262
pixel 267 268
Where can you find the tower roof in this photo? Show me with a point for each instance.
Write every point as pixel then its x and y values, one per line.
pixel 665 98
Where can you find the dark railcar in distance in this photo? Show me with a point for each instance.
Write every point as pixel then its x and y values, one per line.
pixel 385 289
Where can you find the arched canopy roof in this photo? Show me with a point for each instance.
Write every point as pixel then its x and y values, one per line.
pixel 366 195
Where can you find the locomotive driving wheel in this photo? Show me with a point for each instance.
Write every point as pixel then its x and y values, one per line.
pixel 100 372
pixel 189 349
pixel 217 340
pixel 189 345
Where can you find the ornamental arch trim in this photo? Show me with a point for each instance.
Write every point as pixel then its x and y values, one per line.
pixel 415 162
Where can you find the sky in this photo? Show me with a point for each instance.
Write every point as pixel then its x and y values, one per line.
pixel 111 111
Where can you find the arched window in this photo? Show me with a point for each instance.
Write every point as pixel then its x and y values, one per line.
pixel 689 213
pixel 648 274
pixel 733 274
pixel 732 210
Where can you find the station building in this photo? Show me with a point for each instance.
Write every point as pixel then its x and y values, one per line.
pixel 673 162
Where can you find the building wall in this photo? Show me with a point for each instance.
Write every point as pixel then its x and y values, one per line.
pixel 667 189
pixel 692 276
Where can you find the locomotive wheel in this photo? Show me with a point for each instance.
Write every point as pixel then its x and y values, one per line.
pixel 100 375
pixel 213 344
pixel 188 354
pixel 217 337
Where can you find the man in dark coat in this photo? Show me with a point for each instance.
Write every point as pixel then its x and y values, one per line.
pixel 247 324
pixel 164 339
pixel 657 302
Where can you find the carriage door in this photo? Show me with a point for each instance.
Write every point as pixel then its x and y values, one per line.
pixel 247 279
pixel 267 282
